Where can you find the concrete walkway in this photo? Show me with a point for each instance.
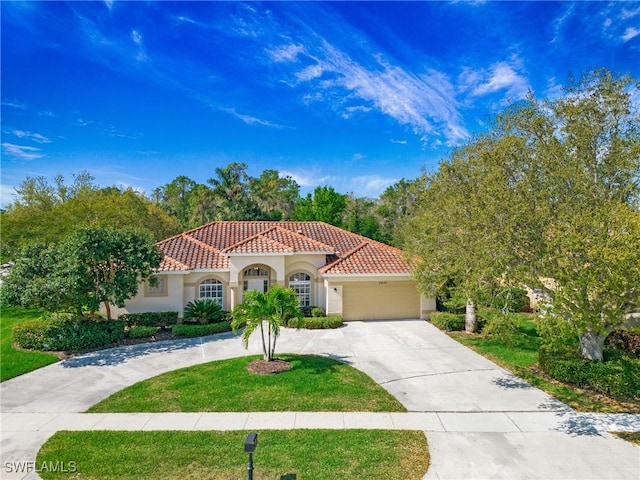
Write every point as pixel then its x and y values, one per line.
pixel 480 421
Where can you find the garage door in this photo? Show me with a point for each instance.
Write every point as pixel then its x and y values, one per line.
pixel 380 300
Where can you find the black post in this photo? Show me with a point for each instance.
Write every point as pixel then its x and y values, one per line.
pixel 250 444
pixel 250 467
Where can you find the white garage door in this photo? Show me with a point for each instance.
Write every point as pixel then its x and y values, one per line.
pixel 380 301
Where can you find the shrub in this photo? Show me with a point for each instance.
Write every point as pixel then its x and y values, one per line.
pixel 618 376
pixel 201 330
pixel 502 328
pixel 150 319
pixel 448 321
pixel 141 332
pixel 316 323
pixel 624 340
pixel 70 334
pixel 204 310
pixel 318 312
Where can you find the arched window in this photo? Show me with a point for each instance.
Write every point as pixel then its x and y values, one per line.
pixel 301 283
pixel 211 288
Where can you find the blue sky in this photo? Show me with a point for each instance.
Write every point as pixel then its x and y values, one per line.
pixel 355 95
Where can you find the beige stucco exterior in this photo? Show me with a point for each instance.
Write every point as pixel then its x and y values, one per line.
pixel 354 297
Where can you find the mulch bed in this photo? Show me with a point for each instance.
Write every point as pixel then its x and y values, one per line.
pixel 264 367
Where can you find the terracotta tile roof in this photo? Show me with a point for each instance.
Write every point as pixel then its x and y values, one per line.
pixel 367 259
pixel 208 247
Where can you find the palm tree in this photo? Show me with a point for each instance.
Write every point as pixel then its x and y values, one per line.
pixel 268 312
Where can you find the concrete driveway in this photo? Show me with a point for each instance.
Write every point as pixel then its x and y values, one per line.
pixel 480 421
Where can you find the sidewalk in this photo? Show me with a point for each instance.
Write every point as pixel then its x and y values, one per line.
pixel 479 422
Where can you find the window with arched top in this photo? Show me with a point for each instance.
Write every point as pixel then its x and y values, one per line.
pixel 256 272
pixel 211 288
pixel 301 284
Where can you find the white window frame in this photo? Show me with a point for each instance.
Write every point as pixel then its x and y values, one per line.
pixel 211 288
pixel 302 287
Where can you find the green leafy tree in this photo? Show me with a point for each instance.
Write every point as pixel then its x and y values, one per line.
pixel 359 217
pixel 92 266
pixel 230 193
pixel 204 310
pixel 266 312
pixel 397 203
pixel 46 213
pixel 326 205
pixel 275 196
pixel 175 199
pixel 549 197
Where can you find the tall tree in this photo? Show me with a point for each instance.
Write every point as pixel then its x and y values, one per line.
pixel 326 205
pixel 275 196
pixel 92 266
pixel 395 205
pixel 230 190
pixel 175 198
pixel 550 197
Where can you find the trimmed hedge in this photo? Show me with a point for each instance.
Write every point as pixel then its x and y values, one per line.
pixel 618 376
pixel 68 334
pixel 150 319
pixel 317 323
pixel 201 330
pixel 141 332
pixel 448 321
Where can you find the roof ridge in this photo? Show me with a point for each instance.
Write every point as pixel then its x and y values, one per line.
pixel 200 243
pixel 344 257
pixel 255 236
pixel 167 258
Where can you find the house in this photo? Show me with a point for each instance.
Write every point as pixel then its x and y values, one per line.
pixel 346 274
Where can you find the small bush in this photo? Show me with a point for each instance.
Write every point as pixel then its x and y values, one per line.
pixel 68 334
pixel 502 328
pixel 150 319
pixel 141 332
pixel 625 341
pixel 201 330
pixel 318 312
pixel 448 321
pixel 204 310
pixel 618 376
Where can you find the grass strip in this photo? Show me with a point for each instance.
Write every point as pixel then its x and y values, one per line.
pixel 281 454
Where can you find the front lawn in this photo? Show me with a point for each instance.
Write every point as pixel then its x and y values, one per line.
pixel 522 360
pixel 16 362
pixel 313 384
pixel 290 454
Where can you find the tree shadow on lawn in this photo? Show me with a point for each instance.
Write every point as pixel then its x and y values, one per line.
pixel 120 355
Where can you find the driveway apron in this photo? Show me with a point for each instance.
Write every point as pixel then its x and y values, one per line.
pixel 483 423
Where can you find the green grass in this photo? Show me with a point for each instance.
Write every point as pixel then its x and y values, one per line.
pixel 313 384
pixel 290 454
pixel 633 437
pixel 15 362
pixel 522 359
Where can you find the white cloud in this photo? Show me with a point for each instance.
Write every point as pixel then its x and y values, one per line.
pixel 399 142
pixel 287 53
pixel 35 137
pixel 358 156
pixel 250 120
pixel 371 185
pixel 629 33
pixel 136 37
pixel 21 152
pixel 309 73
pixel 500 78
pixel 109 4
pixel 309 178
